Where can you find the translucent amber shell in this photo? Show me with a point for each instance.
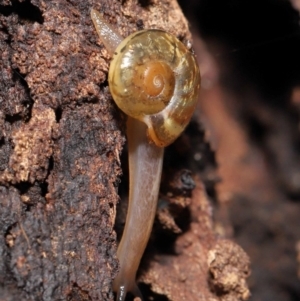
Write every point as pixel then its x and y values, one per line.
pixel 153 77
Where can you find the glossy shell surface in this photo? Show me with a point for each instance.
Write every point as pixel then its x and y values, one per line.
pixel 154 78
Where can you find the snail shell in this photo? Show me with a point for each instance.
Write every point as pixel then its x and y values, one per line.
pixel 154 78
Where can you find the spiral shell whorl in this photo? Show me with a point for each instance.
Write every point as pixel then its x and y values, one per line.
pixel 154 78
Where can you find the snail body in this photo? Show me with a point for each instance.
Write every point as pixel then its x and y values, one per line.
pixel 155 80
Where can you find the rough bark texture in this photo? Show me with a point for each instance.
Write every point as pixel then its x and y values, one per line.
pixel 60 145
pixel 61 137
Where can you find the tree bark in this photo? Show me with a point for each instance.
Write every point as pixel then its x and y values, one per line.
pixel 61 137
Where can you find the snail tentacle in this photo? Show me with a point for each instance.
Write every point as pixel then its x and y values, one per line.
pixel 108 35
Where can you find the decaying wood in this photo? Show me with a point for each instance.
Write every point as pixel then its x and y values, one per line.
pixel 61 137
pixel 251 108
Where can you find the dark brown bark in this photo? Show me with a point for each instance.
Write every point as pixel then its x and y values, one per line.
pixel 60 144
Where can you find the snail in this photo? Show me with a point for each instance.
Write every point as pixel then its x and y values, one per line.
pixel 155 80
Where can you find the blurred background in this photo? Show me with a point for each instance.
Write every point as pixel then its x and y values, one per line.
pixel 249 56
